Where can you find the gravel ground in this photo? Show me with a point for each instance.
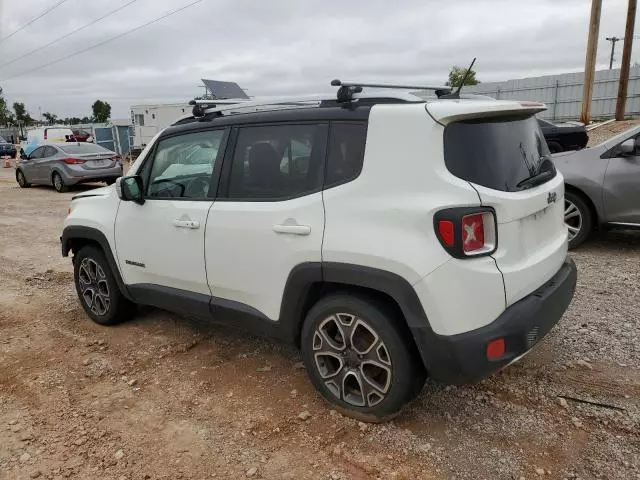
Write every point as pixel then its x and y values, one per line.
pixel 162 397
pixel 600 134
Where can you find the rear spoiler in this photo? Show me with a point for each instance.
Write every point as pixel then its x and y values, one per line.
pixel 447 111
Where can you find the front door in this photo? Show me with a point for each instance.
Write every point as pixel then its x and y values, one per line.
pixel 622 188
pixel 160 244
pixel 268 217
pixel 30 166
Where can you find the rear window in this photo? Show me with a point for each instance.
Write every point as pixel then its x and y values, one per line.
pixel 497 153
pixel 82 148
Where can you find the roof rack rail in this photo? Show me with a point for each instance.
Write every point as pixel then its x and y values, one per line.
pixel 348 89
pixel 346 93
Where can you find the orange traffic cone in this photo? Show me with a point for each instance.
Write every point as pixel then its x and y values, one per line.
pixel 7 163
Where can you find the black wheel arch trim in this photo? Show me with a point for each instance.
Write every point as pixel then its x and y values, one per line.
pixel 299 296
pixel 79 232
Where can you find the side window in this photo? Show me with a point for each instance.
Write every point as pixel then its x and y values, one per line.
pixel 37 153
pixel 346 152
pixel 183 165
pixel 278 162
pixel 49 152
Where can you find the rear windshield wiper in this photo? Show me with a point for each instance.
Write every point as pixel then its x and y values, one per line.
pixel 545 172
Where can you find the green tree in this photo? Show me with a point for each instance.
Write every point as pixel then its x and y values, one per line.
pixel 50 118
pixel 6 117
pixel 457 74
pixel 22 116
pixel 101 111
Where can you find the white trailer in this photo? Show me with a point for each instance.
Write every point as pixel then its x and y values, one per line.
pixel 148 120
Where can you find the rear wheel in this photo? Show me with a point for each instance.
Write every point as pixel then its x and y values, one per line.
pixel 577 217
pixel 358 357
pixel 22 180
pixel 97 288
pixel 58 184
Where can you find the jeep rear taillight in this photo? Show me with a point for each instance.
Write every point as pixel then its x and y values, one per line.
pixel 467 231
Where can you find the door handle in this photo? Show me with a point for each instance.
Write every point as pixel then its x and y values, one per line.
pixel 186 224
pixel 292 229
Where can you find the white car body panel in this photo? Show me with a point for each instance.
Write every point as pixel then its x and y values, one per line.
pixel 248 261
pixel 384 218
pixel 532 235
pixel 172 256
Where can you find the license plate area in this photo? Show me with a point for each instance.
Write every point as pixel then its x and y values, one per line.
pixel 99 163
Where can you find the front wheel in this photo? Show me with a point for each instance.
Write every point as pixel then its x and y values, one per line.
pixel 22 180
pixel 577 217
pixel 97 288
pixel 358 357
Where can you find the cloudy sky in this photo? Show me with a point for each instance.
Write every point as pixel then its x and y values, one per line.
pixel 282 46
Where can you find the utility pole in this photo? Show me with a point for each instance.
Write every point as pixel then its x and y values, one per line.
pixel 626 60
pixel 613 41
pixel 590 60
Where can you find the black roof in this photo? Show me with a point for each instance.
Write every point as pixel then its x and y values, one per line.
pixel 303 114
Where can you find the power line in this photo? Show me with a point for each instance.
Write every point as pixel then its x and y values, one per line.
pixel 68 34
pixel 33 20
pixel 99 44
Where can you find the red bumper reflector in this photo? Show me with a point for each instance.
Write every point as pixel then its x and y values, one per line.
pixel 495 349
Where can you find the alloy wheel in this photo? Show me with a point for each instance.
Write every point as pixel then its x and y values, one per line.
pixel 572 218
pixel 352 360
pixel 57 182
pixel 94 286
pixel 21 180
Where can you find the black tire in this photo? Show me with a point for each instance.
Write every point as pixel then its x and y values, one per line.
pixel 92 272
pixel 58 183
pixel 555 147
pixel 22 180
pixel 110 182
pixel 406 372
pixel 585 223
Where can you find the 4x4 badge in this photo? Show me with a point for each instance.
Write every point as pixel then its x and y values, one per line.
pixel 552 197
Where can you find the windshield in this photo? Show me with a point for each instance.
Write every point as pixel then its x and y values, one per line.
pixel 83 148
pixel 497 153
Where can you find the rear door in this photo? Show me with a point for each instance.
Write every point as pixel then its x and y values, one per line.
pixel 269 217
pixel 506 160
pixel 47 162
pixel 622 187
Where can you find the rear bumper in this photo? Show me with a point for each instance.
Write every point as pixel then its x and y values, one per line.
pixel 73 176
pixel 459 359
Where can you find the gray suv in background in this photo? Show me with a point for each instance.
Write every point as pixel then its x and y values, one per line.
pixel 602 186
pixel 68 164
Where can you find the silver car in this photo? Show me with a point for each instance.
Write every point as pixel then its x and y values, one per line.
pixel 63 165
pixel 602 186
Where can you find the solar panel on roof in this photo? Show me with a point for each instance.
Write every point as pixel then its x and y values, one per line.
pixel 224 89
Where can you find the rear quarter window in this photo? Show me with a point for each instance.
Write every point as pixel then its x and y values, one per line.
pixel 346 152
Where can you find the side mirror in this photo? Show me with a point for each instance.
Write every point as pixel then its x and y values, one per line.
pixel 628 147
pixel 24 156
pixel 130 189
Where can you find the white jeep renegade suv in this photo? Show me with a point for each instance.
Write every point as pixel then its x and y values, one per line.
pixel 389 238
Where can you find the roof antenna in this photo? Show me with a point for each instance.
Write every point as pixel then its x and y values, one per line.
pixel 456 94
